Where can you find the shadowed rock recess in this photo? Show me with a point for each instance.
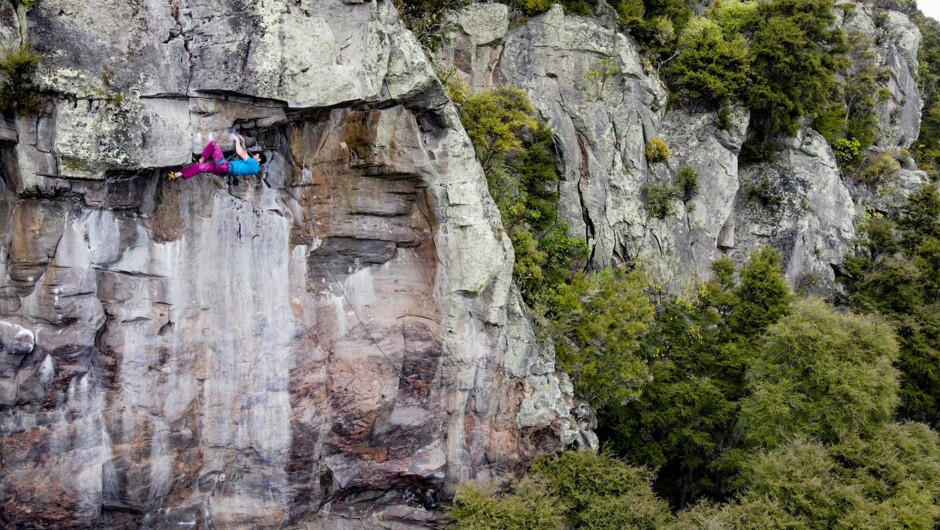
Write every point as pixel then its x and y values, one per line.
pixel 332 344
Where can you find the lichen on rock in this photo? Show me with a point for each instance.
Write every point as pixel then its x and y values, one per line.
pixel 334 340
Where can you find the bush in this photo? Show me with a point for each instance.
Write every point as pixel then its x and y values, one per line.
pixel 427 19
pixel 756 151
pixel 529 507
pixel 927 146
pixel 709 67
pixel 578 489
pixel 496 122
pixel 765 190
pixel 697 347
pixel 878 168
pixel 534 7
pixel 597 77
pixel 889 480
pixel 687 183
pixel 847 152
pixel 895 271
pixel 657 199
pixel 601 492
pixel 656 150
pixel 18 94
pixel 577 7
pixel 631 11
pixel 516 152
pixel 794 55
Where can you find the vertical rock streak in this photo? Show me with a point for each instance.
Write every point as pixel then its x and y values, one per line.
pixel 333 342
pixel 601 126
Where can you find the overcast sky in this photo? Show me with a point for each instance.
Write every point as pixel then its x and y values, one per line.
pixel 931 8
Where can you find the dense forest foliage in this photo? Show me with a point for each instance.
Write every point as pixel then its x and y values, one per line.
pixel 735 403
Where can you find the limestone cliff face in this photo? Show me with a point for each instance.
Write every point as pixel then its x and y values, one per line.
pixel 800 203
pixel 334 343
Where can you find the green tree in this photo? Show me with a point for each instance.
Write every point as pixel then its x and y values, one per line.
pixel 927 146
pixel 763 296
pixel 530 506
pixel 601 492
pixel 888 480
pixel 794 55
pixel 656 25
pixel 710 67
pixel 895 271
pixel 822 374
pixel 698 347
pixel 595 323
pixel 578 489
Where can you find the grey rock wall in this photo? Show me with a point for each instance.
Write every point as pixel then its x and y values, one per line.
pixel 801 204
pixel 332 344
pixel 896 41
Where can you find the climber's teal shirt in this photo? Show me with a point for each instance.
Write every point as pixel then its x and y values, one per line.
pixel 240 168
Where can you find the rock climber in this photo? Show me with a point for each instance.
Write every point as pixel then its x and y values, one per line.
pixel 212 161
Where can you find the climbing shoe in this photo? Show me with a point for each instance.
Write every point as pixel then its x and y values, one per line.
pixel 173 175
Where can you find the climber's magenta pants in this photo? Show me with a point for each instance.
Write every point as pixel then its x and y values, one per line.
pixel 218 164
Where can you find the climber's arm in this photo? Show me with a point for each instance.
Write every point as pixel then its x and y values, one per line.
pixel 240 146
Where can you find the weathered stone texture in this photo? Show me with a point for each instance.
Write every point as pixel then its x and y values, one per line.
pixel 602 126
pixel 897 41
pixel 334 343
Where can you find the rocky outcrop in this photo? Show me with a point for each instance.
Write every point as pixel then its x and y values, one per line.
pixel 896 41
pixel 601 120
pixel 332 344
pixel 798 204
pixel 603 105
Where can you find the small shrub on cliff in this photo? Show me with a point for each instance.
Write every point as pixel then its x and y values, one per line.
pixel 534 7
pixel 764 190
pixel 882 165
pixel 578 7
pixel 597 76
pixel 17 92
pixel 427 19
pixel 657 199
pixel 847 152
pixel 497 122
pixel 631 11
pixel 709 67
pixel 687 183
pixel 656 150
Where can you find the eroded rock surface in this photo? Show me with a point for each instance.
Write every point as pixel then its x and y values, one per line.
pixel 334 343
pixel 800 205
pixel 602 124
pixel 896 42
